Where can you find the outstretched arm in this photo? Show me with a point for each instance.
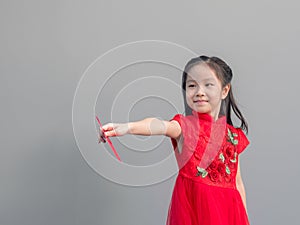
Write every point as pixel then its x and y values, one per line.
pixel 154 126
pixel 146 127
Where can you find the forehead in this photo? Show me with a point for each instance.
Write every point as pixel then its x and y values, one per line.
pixel 201 72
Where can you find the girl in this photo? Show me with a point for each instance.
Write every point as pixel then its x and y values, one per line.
pixel 209 189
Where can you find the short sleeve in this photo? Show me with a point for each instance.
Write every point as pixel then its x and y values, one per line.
pixel 179 118
pixel 243 141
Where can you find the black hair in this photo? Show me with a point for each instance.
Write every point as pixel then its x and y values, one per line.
pixel 224 74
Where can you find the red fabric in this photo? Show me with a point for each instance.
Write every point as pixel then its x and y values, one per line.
pixel 210 197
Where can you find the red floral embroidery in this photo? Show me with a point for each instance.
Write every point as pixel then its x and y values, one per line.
pixel 229 152
pixel 220 167
pixel 214 175
pixel 213 165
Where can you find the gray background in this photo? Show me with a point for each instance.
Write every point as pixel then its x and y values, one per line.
pixel 47 45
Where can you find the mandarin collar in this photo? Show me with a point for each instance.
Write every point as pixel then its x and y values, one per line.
pixel 207 117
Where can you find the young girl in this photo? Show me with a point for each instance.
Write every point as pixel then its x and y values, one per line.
pixel 209 189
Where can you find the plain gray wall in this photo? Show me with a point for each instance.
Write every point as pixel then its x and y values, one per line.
pixel 47 45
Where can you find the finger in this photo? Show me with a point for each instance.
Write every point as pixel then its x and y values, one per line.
pixel 101 133
pixel 111 133
pixel 108 127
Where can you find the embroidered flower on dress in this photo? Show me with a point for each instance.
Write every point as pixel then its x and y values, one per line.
pixel 229 152
pixel 214 176
pixel 220 167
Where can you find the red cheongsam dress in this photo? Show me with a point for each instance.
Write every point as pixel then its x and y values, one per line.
pixel 205 191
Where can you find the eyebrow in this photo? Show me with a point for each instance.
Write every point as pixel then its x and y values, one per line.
pixel 191 80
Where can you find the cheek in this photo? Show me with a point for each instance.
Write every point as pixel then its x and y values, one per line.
pixel 189 94
pixel 215 95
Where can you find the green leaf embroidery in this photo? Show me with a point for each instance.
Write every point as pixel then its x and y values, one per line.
pixel 234 159
pixel 235 142
pixel 231 137
pixel 202 172
pixel 229 133
pixel 221 156
pixel 200 169
pixel 227 170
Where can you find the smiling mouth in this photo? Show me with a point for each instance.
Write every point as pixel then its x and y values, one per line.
pixel 200 101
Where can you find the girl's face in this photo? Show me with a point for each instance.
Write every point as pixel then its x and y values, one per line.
pixel 204 91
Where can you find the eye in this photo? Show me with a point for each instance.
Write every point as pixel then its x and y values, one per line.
pixel 191 85
pixel 209 84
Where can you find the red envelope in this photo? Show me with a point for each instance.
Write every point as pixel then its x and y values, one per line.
pixel 108 140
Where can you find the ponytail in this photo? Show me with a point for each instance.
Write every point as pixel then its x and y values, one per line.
pixel 231 104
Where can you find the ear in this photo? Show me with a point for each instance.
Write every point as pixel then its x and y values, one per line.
pixel 225 91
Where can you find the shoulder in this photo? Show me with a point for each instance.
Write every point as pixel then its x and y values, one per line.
pixel 175 126
pixel 238 136
pixel 180 118
pixel 187 123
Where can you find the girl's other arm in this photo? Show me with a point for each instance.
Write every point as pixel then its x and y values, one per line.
pixel 240 186
pixel 146 127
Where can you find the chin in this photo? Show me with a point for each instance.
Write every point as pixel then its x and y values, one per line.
pixel 202 110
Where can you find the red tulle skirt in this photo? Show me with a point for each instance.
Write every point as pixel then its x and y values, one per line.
pixel 196 203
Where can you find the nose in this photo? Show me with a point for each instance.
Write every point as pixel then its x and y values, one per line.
pixel 199 91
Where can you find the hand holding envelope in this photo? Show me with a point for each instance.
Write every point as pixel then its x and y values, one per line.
pixel 103 137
